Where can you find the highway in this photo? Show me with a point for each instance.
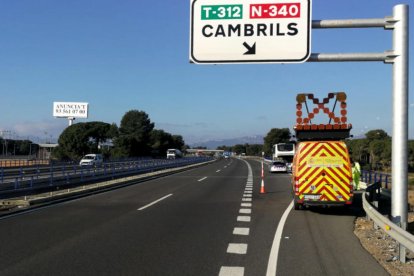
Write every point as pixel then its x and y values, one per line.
pixel 205 221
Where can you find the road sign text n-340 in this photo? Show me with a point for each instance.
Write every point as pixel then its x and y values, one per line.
pixel 252 31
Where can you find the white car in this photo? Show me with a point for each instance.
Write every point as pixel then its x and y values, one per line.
pixel 278 166
pixel 91 160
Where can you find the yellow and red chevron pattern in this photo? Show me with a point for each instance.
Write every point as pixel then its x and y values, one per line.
pixel 323 172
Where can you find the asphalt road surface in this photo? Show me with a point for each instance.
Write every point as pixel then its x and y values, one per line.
pixel 207 221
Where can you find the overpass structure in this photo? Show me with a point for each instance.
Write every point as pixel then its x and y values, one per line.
pixel 207 151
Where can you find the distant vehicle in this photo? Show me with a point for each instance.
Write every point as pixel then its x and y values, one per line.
pixel 284 152
pixel 174 153
pixel 91 160
pixel 278 166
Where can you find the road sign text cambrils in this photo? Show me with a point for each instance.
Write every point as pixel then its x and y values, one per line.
pixel 248 30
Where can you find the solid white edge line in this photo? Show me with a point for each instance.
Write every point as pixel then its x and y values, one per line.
pixel 154 202
pixel 274 253
pixel 202 179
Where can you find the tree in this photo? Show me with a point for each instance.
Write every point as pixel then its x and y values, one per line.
pixel 161 141
pixel 224 148
pixel 82 138
pixel 376 134
pixel 359 149
pixel 134 134
pixel 275 136
pixel 254 150
pixel 178 142
pixel 239 149
pixel 73 142
pixel 376 148
pixel 411 154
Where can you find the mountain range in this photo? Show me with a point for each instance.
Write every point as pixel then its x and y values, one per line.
pixel 213 144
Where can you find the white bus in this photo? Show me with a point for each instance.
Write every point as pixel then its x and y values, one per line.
pixel 285 152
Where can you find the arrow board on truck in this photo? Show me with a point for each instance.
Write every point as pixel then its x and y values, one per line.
pixel 252 31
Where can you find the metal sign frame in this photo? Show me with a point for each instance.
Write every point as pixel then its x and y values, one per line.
pixel 398 57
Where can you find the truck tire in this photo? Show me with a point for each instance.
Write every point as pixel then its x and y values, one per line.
pixel 297 205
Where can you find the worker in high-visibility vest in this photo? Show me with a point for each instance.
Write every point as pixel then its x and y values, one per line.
pixel 356 174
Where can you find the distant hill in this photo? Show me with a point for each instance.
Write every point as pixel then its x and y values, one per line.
pixel 213 144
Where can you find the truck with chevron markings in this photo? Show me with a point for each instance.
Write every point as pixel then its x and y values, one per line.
pixel 321 173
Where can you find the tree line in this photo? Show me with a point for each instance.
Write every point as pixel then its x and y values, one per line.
pixel 9 147
pixel 373 152
pixel 134 137
pixel 274 136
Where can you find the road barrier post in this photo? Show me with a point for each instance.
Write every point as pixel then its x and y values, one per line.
pixel 51 174
pixel 262 187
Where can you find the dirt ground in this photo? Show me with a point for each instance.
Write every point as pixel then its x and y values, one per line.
pixel 382 247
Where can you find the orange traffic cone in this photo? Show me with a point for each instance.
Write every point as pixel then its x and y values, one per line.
pixel 262 188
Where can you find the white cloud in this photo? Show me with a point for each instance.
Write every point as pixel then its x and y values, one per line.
pixel 43 130
pixel 261 118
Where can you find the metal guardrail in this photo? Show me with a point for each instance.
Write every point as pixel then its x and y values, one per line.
pixel 403 237
pixel 373 177
pixel 35 179
pixel 383 183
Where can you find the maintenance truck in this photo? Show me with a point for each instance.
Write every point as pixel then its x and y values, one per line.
pixel 321 170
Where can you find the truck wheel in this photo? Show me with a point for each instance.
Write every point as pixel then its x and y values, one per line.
pixel 297 205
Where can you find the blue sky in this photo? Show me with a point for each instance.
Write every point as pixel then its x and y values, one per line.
pixel 123 55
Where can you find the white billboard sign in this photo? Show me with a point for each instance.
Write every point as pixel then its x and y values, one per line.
pixel 70 110
pixel 250 31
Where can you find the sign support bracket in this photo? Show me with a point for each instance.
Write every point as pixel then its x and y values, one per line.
pixel 398 57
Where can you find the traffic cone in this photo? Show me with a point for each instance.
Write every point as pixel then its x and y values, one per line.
pixel 262 188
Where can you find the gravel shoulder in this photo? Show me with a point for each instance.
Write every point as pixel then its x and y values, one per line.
pixel 382 247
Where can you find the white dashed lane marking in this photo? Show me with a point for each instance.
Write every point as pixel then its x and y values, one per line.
pixel 241 231
pixel 244 218
pixel 237 248
pixel 231 271
pixel 154 202
pixel 202 179
pixel 245 211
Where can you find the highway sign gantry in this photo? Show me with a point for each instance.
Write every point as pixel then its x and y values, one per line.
pixel 250 31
